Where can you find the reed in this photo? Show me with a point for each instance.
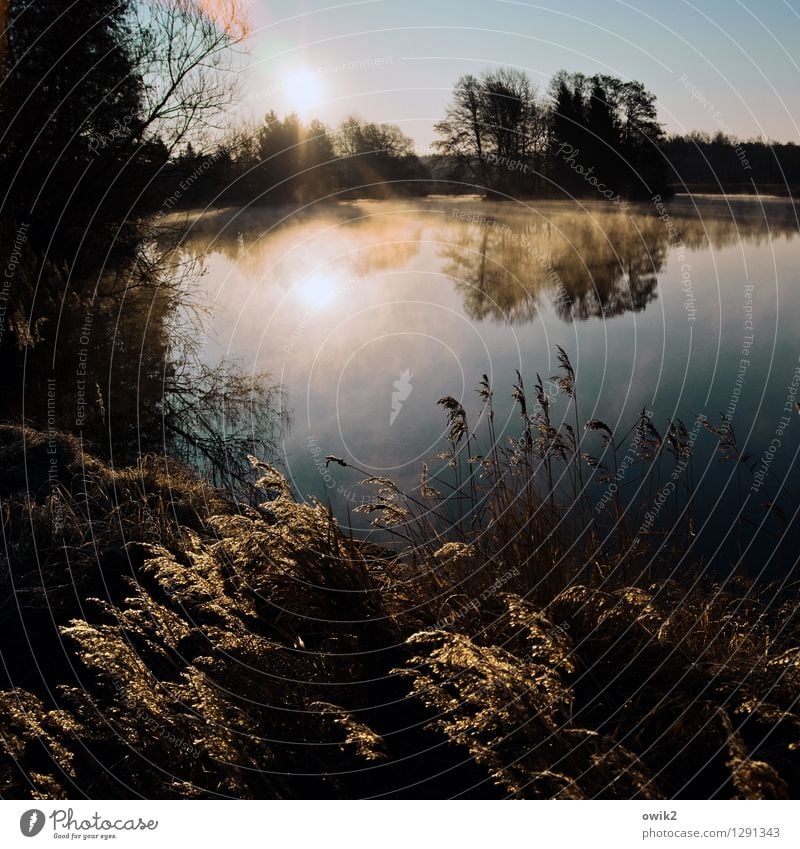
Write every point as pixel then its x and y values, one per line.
pixel 499 639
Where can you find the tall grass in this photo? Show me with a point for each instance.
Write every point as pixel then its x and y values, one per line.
pixel 161 640
pixel 567 500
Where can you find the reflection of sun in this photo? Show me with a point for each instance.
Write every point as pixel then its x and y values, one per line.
pixel 303 89
pixel 317 290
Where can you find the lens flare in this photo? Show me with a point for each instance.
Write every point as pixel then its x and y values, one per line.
pixel 303 89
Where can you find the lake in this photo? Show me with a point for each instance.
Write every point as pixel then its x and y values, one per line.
pixel 368 312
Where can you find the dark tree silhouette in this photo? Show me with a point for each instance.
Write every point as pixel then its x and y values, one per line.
pixel 722 163
pixel 70 102
pixel 377 159
pixel 462 131
pixel 495 131
pixel 96 96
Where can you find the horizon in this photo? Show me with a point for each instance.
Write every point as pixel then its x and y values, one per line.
pixel 329 62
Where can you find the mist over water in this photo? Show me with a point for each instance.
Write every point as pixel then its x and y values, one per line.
pixel 369 312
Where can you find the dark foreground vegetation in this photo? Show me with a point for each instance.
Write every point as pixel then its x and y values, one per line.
pixel 169 642
pixel 101 325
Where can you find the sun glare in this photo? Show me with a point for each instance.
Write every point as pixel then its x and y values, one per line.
pixel 303 89
pixel 318 290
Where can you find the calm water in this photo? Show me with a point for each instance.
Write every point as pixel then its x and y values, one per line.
pixel 368 312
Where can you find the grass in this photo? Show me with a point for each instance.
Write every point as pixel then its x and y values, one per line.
pixel 160 640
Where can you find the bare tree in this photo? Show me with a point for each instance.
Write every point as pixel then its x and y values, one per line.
pixel 214 416
pixel 462 129
pixel 494 129
pixel 508 107
pixel 187 59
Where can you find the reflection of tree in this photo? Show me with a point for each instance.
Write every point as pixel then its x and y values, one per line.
pixel 586 265
pixel 344 239
pixel 123 368
pixel 703 221
pixel 507 261
pixel 493 273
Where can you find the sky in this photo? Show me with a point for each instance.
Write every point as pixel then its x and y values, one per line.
pixel 713 64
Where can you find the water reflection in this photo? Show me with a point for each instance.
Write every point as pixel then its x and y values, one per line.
pixel 335 243
pixel 342 301
pixel 506 261
pixel 587 262
pixel 600 265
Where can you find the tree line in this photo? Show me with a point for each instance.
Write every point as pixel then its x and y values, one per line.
pixel 499 135
pixel 285 160
pixel 585 135
pixel 720 162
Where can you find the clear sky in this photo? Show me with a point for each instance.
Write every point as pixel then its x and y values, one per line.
pixel 714 64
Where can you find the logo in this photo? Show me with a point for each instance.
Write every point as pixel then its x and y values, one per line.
pixel 31 822
pixel 402 389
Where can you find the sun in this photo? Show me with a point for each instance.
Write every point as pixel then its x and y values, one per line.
pixel 303 89
pixel 318 290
